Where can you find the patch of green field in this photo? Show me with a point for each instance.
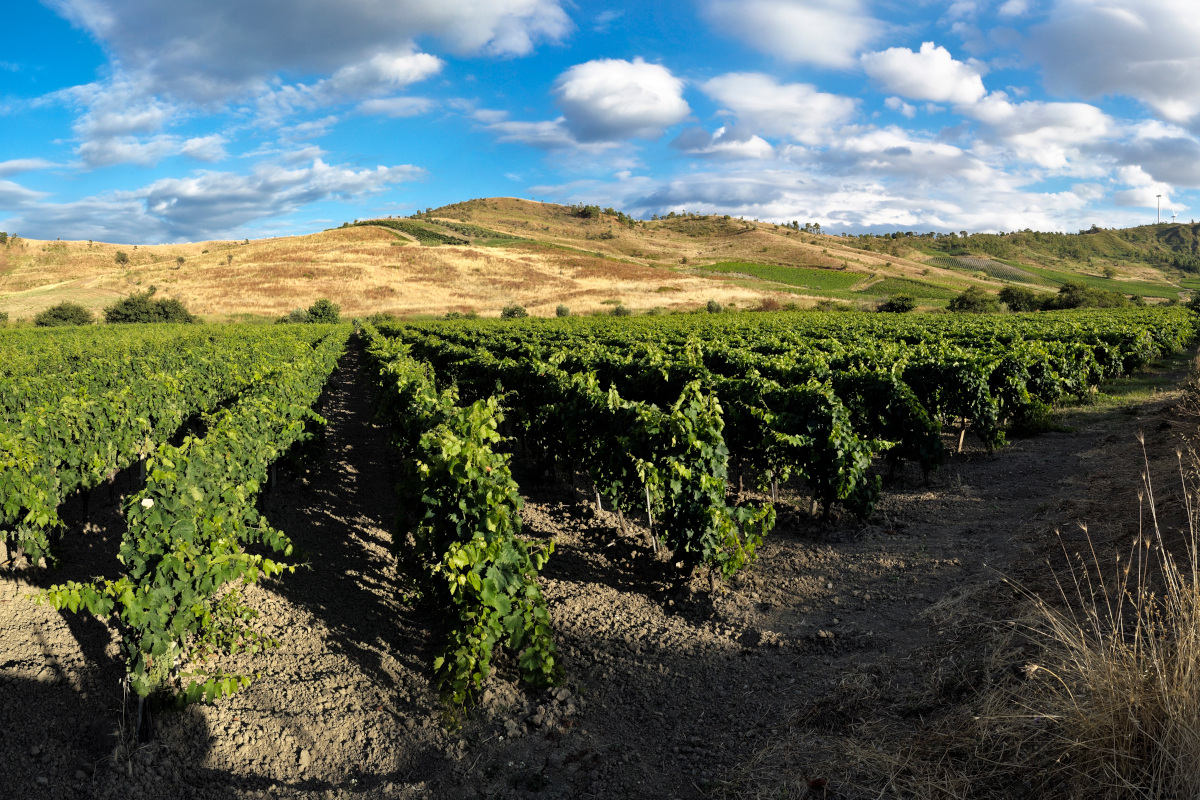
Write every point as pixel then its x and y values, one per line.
pixel 918 289
pixel 1143 288
pixel 819 280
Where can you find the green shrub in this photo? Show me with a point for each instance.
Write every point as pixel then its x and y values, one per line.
pixel 3 237
pixel 713 307
pixel 898 304
pixel 297 316
pixel 469 314
pixel 3 317
pixel 974 301
pixel 140 308
pixel 1076 295
pixel 621 311
pixel 325 311
pixel 562 311
pixel 1018 298
pixel 381 318
pixel 65 313
pixel 513 311
pixel 121 257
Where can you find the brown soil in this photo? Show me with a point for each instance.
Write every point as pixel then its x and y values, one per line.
pixel 838 630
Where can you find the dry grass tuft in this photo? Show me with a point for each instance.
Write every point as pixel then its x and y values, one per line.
pixel 1110 705
pixel 1116 690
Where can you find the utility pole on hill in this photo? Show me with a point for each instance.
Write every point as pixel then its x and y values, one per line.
pixel 1159 196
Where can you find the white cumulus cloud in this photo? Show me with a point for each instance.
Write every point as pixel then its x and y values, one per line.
pixel 794 110
pixel 1148 50
pixel 1047 134
pixel 612 99
pixel 110 150
pixel 930 74
pixel 381 74
pixel 728 142
pixel 828 33
pixel 212 49
pixel 205 148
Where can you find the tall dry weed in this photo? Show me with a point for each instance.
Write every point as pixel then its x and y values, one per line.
pixel 1111 706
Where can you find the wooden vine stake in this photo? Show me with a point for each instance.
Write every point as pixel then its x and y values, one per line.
pixel 962 433
pixel 650 520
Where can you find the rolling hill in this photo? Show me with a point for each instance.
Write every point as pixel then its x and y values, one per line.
pixel 484 254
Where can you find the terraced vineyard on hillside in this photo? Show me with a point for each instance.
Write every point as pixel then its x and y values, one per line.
pixel 989 266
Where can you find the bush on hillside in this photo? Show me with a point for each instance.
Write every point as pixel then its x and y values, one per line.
pixel 3 237
pixel 1019 299
pixel 898 304
pixel 562 311
pixel 297 316
pixel 3 317
pixel 974 301
pixel 713 307
pixel 121 257
pixel 469 314
pixel 586 212
pixel 381 318
pixel 513 311
pixel 1077 295
pixel 65 313
pixel 139 307
pixel 325 311
pixel 621 311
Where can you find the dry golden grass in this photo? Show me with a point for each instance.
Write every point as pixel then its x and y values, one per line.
pixel 1110 707
pixel 367 270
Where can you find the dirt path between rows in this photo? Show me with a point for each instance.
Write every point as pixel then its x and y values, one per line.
pixel 671 692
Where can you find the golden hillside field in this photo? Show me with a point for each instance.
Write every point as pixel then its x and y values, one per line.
pixel 551 256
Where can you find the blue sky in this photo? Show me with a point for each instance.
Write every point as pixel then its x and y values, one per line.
pixel 144 121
